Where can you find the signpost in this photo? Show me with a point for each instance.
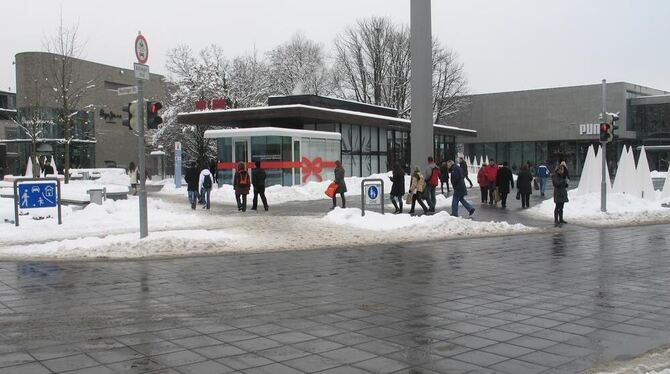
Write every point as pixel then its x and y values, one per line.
pixel 372 193
pixel 131 90
pixel 177 164
pixel 41 193
pixel 603 149
pixel 142 74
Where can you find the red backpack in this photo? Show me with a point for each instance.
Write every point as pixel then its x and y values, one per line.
pixel 434 177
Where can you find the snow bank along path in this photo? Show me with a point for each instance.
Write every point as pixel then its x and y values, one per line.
pixel 622 209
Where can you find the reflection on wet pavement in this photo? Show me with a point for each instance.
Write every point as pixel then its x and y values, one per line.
pixel 560 301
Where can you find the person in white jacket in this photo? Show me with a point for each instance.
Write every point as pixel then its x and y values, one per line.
pixel 205 184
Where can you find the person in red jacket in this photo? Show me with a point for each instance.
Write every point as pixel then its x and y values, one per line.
pixel 491 171
pixel 483 183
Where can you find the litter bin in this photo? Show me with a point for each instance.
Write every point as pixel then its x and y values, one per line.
pixel 96 195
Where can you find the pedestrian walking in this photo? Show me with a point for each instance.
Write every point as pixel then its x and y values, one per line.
pixel 491 171
pixel 460 191
pixel 397 188
pixel 432 176
pixel 524 186
pixel 483 184
pixel 205 183
pixel 542 174
pixel 241 184
pixel 341 184
pixel 417 188
pixel 504 179
pixel 47 169
pixel 464 169
pixel 192 181
pixel 444 176
pixel 560 182
pixel 258 181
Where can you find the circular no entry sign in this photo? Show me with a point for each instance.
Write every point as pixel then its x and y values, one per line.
pixel 141 49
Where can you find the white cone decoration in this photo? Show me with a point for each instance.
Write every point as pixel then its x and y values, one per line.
pixel 665 195
pixel 29 168
pixel 630 177
pixel 585 183
pixel 53 164
pixel 620 172
pixel 645 184
pixel 487 160
pixel 596 172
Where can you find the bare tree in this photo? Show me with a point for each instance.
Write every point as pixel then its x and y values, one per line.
pixel 64 83
pixel 249 81
pixel 298 67
pixel 373 65
pixel 449 83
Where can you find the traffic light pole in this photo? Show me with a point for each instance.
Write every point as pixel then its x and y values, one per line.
pixel 144 230
pixel 603 150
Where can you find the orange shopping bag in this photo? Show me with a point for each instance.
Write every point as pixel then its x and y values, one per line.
pixel 330 191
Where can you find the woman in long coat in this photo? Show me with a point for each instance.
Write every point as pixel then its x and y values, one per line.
pixel 398 187
pixel 341 185
pixel 524 187
pixel 560 182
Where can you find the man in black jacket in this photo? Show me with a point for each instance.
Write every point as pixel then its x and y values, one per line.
pixel 258 181
pixel 192 178
pixel 503 181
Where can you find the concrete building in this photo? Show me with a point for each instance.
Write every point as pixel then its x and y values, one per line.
pixel 100 138
pixel 560 123
pixel 8 130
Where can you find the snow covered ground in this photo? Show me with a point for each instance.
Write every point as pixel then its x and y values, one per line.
pixel 654 362
pixel 622 209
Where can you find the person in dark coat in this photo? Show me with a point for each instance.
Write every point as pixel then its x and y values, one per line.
pixel 341 185
pixel 47 169
pixel 444 176
pixel 241 183
pixel 524 186
pixel 192 178
pixel 503 181
pixel 464 169
pixel 460 191
pixel 258 180
pixel 560 182
pixel 398 187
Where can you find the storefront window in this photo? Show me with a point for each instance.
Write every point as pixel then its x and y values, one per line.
pixel 515 156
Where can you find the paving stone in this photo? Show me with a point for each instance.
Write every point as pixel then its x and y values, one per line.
pixel 69 363
pixel 32 368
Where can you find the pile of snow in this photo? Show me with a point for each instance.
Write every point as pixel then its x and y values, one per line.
pixel 622 209
pixel 112 217
pixel 659 174
pixel 166 243
pixel 440 224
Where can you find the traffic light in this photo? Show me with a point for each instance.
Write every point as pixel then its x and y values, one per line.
pixel 612 118
pixel 131 109
pixel 153 119
pixel 605 132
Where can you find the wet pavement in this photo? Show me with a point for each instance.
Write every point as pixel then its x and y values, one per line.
pixel 560 301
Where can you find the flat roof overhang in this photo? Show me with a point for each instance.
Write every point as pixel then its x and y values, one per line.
pixel 271 131
pixel 304 114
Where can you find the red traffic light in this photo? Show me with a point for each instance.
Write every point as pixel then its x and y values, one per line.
pixel 154 107
pixel 604 127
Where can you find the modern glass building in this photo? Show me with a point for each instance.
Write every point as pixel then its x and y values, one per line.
pixel 559 124
pixel 371 138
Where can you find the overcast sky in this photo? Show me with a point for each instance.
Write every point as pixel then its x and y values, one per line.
pixel 505 45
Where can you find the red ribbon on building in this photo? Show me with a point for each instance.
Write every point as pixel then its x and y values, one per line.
pixel 307 166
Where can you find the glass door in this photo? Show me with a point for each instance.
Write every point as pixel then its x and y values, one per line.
pixel 296 158
pixel 241 150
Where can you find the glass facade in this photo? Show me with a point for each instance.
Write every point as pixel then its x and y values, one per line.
pixel 82 155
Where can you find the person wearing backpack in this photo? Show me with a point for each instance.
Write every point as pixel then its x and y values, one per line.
pixel 205 182
pixel 258 181
pixel 241 183
pixel 432 176
pixel 444 176
pixel 192 180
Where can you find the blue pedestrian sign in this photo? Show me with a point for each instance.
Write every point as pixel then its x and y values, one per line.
pixel 373 192
pixel 37 195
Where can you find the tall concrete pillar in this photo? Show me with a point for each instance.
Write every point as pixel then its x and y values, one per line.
pixel 422 103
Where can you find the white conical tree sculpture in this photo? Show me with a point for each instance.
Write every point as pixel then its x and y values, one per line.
pixel 596 173
pixel 643 178
pixel 618 186
pixel 630 185
pixel 487 160
pixel 585 181
pixel 29 168
pixel 665 195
